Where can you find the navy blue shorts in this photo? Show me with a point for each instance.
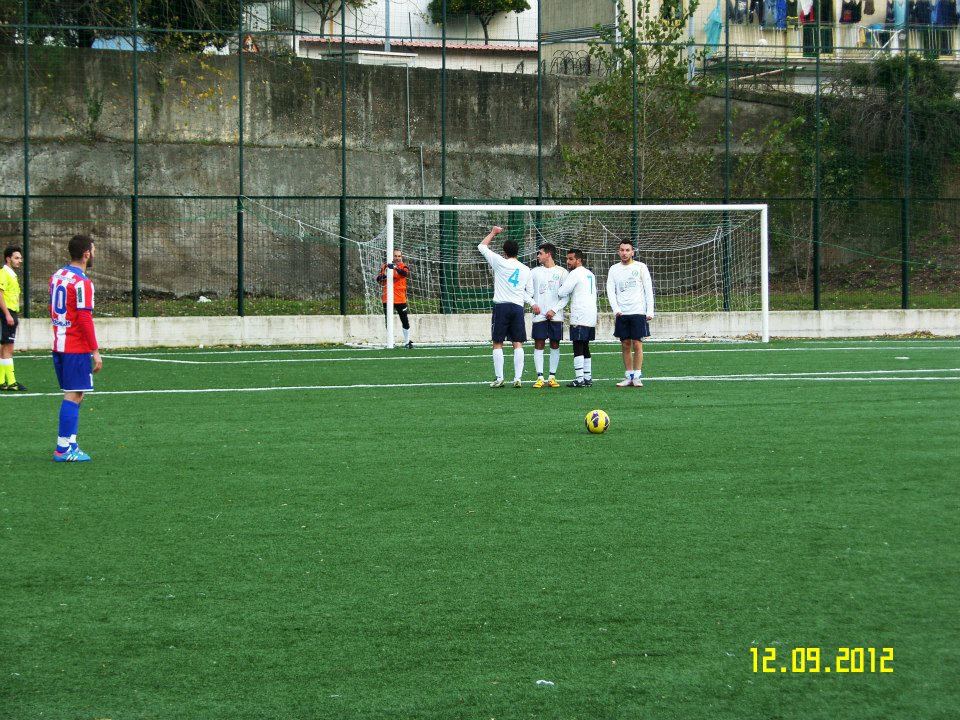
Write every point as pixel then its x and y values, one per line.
pixel 548 330
pixel 74 371
pixel 582 333
pixel 631 327
pixel 508 323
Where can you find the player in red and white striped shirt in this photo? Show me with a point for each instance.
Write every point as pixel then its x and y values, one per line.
pixel 75 351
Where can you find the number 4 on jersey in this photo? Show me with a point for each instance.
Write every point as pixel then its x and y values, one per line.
pixel 515 278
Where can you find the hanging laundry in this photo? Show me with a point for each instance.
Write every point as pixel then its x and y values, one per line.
pixel 851 11
pixel 713 27
pixel 770 13
pixel 896 13
pixel 946 13
pixel 807 14
pixel 780 14
pixel 737 11
pixel 920 12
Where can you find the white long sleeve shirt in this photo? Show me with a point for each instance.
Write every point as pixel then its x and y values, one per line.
pixel 630 289
pixel 510 277
pixel 581 287
pixel 542 286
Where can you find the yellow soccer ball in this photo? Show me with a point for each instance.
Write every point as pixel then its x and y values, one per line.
pixel 597 421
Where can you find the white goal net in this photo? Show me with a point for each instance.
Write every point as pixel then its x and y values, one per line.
pixel 702 258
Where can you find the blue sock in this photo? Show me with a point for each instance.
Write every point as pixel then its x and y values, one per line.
pixel 69 422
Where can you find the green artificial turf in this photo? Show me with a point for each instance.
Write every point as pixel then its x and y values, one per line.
pixel 433 549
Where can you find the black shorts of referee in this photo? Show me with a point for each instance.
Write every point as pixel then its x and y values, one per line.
pixel 8 333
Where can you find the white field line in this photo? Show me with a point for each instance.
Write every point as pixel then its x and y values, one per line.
pixel 151 357
pixel 838 376
pixel 647 350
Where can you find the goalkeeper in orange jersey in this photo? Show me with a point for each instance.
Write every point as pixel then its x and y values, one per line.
pixel 400 274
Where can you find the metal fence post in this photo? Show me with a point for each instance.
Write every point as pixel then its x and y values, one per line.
pixel 25 223
pixel 905 201
pixel 635 118
pixel 727 162
pixel 241 289
pixel 135 198
pixel 343 159
pixel 817 189
pixel 726 102
pixel 443 101
pixel 539 107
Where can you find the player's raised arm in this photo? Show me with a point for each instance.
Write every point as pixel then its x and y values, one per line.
pixel 494 231
pixel 484 247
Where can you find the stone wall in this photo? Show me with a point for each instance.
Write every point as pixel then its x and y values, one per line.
pixel 81 119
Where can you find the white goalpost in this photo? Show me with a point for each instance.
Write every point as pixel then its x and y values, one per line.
pixel 703 258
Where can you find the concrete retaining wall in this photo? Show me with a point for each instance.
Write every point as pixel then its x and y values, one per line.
pixel 308 329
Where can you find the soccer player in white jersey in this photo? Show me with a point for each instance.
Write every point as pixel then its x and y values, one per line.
pixel 581 289
pixel 630 290
pixel 509 295
pixel 542 286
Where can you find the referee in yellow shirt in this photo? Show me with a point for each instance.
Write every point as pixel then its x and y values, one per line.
pixel 10 309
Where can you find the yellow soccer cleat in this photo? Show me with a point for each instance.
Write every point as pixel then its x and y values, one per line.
pixel 552 382
pixel 539 383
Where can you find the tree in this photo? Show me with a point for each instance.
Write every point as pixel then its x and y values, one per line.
pixel 327 9
pixel 189 25
pixel 672 159
pixel 76 20
pixel 10 15
pixel 182 24
pixel 483 10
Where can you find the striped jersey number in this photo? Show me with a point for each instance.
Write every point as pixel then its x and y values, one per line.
pixel 60 299
pixel 515 278
pixel 591 283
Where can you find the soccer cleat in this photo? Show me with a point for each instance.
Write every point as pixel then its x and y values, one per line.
pixel 517 384
pixel 4 387
pixel 552 382
pixel 626 382
pixel 588 382
pixel 74 455
pixel 578 383
pixel 14 387
pixel 409 345
pixel 637 382
pixel 539 383
pixel 498 383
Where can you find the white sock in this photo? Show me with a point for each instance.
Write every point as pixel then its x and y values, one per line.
pixel 538 361
pixel 628 374
pixel 498 363
pixel 554 360
pixel 578 366
pixel 517 363
pixel 588 368
pixel 406 335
